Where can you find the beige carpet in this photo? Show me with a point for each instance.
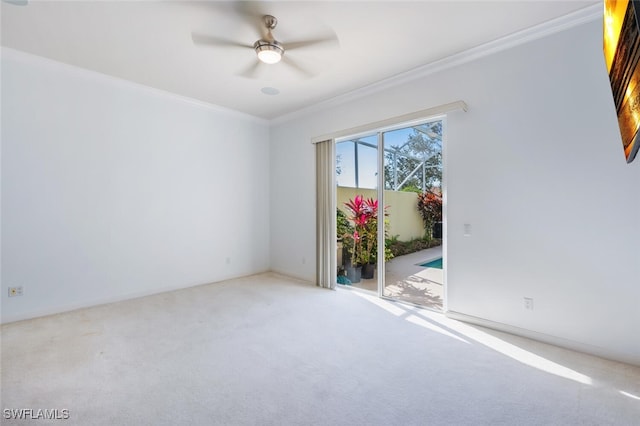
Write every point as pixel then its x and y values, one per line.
pixel 269 350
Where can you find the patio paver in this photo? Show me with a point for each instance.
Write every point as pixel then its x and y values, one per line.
pixel 406 280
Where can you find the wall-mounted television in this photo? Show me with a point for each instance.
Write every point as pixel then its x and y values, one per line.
pixel 622 56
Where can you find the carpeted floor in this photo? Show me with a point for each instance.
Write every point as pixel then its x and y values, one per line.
pixel 270 350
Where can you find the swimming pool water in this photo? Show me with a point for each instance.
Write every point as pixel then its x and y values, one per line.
pixel 436 263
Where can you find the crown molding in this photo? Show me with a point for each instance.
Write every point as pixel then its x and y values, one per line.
pixel 25 57
pixel 574 19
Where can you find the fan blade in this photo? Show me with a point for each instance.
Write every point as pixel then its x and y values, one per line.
pixel 252 71
pixel 203 39
pixel 329 40
pixel 297 67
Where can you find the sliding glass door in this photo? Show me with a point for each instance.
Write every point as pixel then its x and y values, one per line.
pixel 389 216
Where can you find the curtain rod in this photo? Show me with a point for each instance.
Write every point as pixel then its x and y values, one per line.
pixel 413 116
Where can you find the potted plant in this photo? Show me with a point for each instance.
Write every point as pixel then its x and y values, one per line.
pixel 348 248
pixel 343 231
pixel 355 241
pixel 364 215
pixel 352 265
pixel 371 239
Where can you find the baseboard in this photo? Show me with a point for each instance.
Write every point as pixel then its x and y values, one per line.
pixel 598 351
pixel 59 309
pixel 294 276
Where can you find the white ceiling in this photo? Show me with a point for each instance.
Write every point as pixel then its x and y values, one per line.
pixel 150 42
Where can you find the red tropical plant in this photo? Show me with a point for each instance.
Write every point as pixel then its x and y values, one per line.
pixel 355 208
pixel 364 215
pixel 430 208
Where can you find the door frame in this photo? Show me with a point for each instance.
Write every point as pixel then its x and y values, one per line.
pixel 379 133
pixel 418 116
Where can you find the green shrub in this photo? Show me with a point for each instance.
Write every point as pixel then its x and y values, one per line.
pixel 400 248
pixel 343 226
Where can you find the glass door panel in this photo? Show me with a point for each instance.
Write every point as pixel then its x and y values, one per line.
pixel 413 205
pixel 356 192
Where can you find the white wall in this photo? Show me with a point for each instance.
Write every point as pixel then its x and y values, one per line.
pixel 111 190
pixel 535 166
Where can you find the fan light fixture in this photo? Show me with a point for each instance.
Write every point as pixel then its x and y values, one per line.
pixel 269 52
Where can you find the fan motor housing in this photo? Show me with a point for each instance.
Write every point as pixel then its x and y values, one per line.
pixel 268 45
pixel 269 52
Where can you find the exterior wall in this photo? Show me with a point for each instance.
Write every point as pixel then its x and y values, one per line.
pixel 404 219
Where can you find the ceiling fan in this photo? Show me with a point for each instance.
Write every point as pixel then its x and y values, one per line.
pixel 268 50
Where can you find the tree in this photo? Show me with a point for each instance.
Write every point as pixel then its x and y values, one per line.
pixel 404 164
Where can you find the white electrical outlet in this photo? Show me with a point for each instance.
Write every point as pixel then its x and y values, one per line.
pixel 228 260
pixel 467 229
pixel 16 291
pixel 528 303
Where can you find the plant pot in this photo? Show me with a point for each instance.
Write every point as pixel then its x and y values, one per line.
pixel 354 273
pixel 368 271
pixel 345 257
